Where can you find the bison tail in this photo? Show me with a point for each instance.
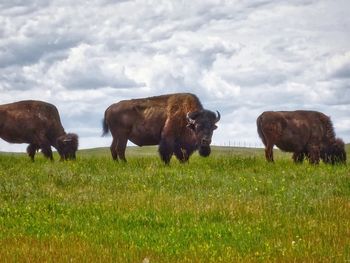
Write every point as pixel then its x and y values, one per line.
pixel 105 127
pixel 259 128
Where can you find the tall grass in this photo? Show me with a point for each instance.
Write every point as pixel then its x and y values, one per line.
pixel 232 206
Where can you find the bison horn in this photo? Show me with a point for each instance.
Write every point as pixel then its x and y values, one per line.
pixel 218 117
pixel 67 140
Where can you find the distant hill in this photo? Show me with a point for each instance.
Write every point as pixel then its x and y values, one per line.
pixel 153 151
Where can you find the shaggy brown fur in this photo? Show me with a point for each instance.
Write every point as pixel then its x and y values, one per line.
pixel 37 123
pixel 305 133
pixel 176 122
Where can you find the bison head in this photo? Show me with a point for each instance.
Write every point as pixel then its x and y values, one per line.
pixel 334 152
pixel 203 124
pixel 67 145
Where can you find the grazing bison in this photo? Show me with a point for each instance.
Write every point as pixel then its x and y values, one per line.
pixel 176 122
pixel 37 123
pixel 305 133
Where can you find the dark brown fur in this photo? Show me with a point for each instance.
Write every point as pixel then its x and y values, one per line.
pixel 305 133
pixel 37 123
pixel 161 120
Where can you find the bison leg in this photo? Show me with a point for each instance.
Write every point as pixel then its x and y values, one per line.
pixel 121 146
pixel 118 147
pixel 166 150
pixel 269 153
pixel 114 150
pixel 31 150
pixel 314 155
pixel 46 150
pixel 298 157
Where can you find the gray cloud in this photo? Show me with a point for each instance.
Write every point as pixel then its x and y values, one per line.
pixel 343 72
pixel 30 51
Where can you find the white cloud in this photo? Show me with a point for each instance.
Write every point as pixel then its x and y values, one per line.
pixel 338 66
pixel 89 67
pixel 215 85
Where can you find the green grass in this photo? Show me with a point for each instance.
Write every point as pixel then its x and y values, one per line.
pixel 232 206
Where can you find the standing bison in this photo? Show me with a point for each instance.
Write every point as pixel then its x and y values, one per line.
pixel 176 122
pixel 37 123
pixel 305 133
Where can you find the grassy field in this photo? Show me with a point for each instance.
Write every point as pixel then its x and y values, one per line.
pixel 230 207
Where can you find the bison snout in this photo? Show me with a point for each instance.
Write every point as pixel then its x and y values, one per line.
pixel 206 141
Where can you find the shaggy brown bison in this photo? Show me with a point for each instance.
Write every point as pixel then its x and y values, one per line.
pixel 305 133
pixel 176 122
pixel 37 123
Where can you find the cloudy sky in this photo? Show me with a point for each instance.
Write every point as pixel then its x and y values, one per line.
pixel 240 57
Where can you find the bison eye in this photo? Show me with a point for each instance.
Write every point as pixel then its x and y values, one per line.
pixel 191 126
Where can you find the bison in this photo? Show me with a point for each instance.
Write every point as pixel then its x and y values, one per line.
pixel 37 123
pixel 178 123
pixel 305 133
